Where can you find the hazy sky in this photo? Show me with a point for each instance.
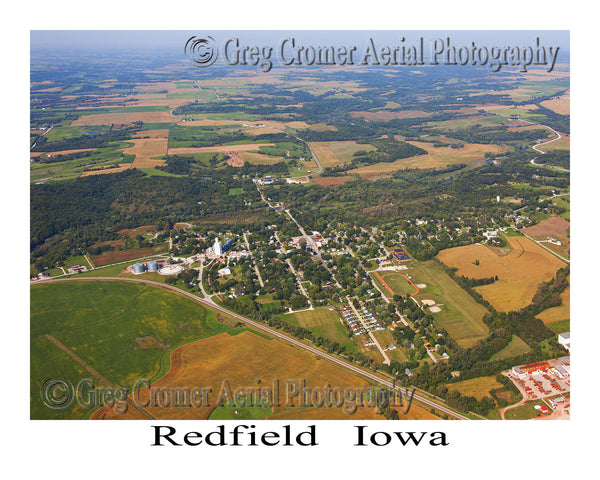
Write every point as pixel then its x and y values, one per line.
pixel 85 39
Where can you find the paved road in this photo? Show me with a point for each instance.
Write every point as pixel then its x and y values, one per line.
pixel 274 333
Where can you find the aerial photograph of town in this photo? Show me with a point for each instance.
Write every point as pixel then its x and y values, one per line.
pixel 280 225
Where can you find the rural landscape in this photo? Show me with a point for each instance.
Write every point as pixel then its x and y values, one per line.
pixel 288 244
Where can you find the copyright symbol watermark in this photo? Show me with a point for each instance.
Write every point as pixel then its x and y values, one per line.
pixel 57 394
pixel 202 51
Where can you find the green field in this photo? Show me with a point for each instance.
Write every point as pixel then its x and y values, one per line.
pixel 524 412
pixel 74 168
pixel 124 331
pixel 460 316
pixel 514 348
pixel 396 281
pixel 561 326
pixel 235 191
pixel 323 322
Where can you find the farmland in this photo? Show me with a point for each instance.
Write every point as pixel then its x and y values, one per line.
pixel 435 158
pixel 476 387
pixel 460 315
pixel 123 154
pixel 212 361
pixel 120 330
pixel 519 272
pixel 331 154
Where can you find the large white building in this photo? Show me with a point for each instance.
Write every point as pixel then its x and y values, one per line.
pixel 217 248
pixel 565 340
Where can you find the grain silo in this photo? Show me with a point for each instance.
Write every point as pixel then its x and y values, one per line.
pixel 138 268
pixel 152 266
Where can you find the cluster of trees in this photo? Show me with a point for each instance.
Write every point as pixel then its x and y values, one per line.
pixel 497 133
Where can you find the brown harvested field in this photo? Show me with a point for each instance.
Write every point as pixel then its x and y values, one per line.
pixel 519 272
pixel 156 87
pixel 322 127
pixel 389 115
pixel 327 181
pixel 259 159
pixel 122 118
pixel 100 171
pixel 562 312
pixel 108 258
pixel 132 232
pixel 476 387
pixel 257 130
pixel 235 160
pixel 550 226
pixel 145 149
pixel 435 158
pixel 561 104
pixel 331 154
pixel 162 133
pixel 212 361
pixel 158 100
pixel 246 147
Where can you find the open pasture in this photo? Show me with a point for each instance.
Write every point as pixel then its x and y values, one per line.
pixel 435 158
pixel 519 272
pixel 122 118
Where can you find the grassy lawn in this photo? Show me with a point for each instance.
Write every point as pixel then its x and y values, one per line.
pixel 460 315
pixel 323 322
pixel 235 191
pixel 524 412
pixel 514 348
pixel 476 387
pixel 560 327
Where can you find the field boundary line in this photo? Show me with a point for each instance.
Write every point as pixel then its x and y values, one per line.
pixel 92 372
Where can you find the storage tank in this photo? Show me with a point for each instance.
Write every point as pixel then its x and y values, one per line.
pixel 138 268
pixel 152 266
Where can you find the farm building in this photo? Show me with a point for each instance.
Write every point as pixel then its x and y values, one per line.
pixel 77 269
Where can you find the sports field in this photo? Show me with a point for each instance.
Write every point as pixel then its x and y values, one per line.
pixel 519 272
pixel 460 315
pixel 395 283
pixel 112 332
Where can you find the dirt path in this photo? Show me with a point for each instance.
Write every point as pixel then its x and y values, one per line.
pixel 89 369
